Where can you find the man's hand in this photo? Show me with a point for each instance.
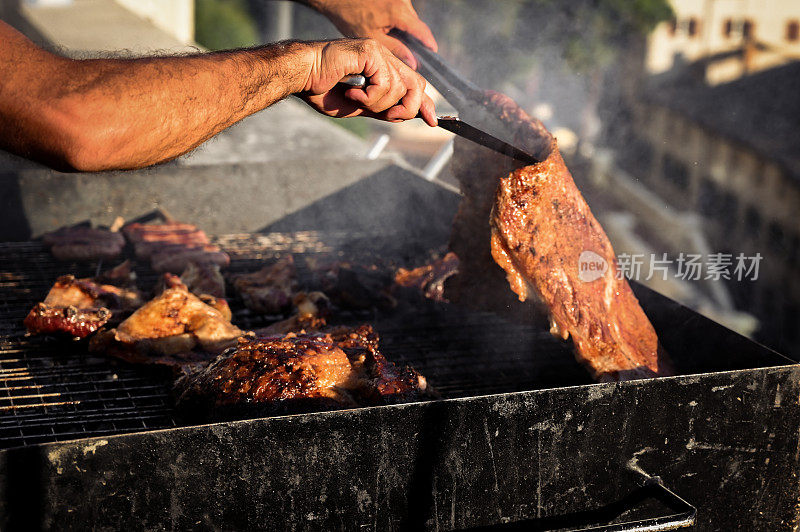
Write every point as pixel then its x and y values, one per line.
pixel 394 92
pixel 374 18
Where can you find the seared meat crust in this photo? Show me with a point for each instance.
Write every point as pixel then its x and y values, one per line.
pixel 78 307
pixel 172 246
pixel 75 322
pixel 270 289
pixel 297 372
pixel 539 226
pixel 84 243
pixel 177 321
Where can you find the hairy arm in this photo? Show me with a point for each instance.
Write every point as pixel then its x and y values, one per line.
pixel 103 114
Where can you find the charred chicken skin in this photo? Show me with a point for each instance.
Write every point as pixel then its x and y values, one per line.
pixel 79 307
pixel 297 372
pixel 72 321
pixel 429 279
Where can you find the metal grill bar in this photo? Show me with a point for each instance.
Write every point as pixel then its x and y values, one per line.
pixel 52 390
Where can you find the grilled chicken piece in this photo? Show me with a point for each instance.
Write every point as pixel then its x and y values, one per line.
pixel 540 226
pixel 204 278
pixel 170 280
pixel 272 370
pixel 354 286
pixel 78 307
pixel 75 322
pixel 296 372
pixel 429 279
pixel 176 321
pixel 269 290
pixel 311 313
pixel 84 243
pixel 388 383
pixel 172 246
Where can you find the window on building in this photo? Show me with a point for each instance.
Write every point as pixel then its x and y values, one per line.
pixel 794 251
pixel 791 318
pixel 793 31
pixel 729 208
pixel 752 222
pixel 693 27
pixel 775 237
pixel 638 158
pixel 676 172
pixel 708 198
pixel 748 29
pixel 727 28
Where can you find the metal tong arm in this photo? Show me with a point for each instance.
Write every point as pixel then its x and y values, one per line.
pixel 459 91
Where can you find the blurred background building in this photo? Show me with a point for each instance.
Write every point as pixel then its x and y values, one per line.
pixel 680 119
pixel 714 130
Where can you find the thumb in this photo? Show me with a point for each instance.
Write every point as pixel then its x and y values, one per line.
pixel 420 30
pixel 399 50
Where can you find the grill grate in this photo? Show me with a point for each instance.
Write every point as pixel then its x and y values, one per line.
pixel 52 390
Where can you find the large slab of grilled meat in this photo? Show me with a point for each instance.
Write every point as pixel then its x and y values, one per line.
pixel 540 225
pixel 297 372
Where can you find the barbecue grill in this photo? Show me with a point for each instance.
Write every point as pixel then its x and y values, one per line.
pixel 520 437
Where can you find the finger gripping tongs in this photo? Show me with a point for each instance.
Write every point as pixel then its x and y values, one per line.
pixel 460 92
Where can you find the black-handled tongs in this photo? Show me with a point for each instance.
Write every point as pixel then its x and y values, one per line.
pixel 460 92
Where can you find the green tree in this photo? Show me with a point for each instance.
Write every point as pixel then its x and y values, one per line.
pixel 222 24
pixel 530 43
pixel 498 39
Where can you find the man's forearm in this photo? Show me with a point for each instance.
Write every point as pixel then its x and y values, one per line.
pixel 104 114
pixel 119 113
pixel 147 111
